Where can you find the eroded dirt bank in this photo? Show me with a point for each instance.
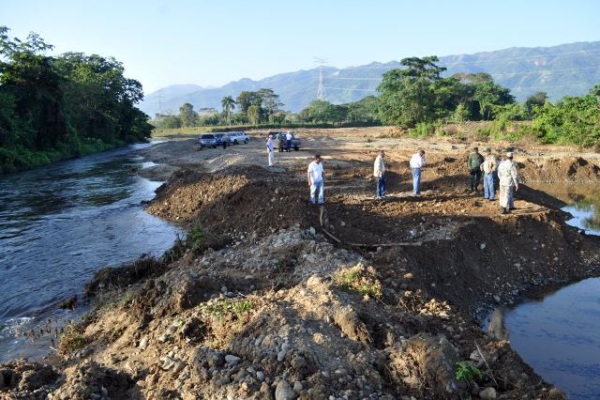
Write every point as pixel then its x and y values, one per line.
pixel 359 299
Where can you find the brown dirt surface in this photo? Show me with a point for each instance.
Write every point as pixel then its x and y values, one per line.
pixel 357 299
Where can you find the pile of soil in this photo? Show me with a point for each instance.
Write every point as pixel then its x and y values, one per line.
pixel 357 299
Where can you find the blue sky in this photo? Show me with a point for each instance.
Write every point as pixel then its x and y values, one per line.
pixel 211 43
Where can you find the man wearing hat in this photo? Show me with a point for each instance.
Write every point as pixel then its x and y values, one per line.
pixel 489 171
pixel 507 174
pixel 474 161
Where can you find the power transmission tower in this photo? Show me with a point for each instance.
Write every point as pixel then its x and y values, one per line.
pixel 320 88
pixel 160 101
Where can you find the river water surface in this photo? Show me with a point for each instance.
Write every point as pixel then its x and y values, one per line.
pixel 61 224
pixel 559 335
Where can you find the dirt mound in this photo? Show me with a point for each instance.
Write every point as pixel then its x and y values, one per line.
pixel 552 170
pixel 358 299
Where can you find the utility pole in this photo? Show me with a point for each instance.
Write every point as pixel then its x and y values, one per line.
pixel 320 88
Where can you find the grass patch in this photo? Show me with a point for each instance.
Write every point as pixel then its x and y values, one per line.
pixel 225 318
pixel 72 339
pixel 360 279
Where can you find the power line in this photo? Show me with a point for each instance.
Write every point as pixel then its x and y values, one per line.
pixel 350 89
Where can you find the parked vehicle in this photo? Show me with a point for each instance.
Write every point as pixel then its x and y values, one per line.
pixel 238 137
pixel 280 138
pixel 223 137
pixel 208 140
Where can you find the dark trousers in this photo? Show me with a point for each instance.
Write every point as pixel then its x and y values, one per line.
pixel 475 178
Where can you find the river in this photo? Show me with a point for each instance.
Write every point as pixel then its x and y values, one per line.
pixel 559 334
pixel 58 226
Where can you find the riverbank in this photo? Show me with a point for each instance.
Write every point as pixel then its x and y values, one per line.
pixel 273 297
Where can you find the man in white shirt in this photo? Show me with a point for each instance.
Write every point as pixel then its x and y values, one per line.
pixel 416 163
pixel 314 175
pixel 270 147
pixel 379 173
pixel 508 177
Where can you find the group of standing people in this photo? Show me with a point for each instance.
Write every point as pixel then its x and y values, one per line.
pixel 486 165
pixel 505 172
pixel 417 161
pixel 314 176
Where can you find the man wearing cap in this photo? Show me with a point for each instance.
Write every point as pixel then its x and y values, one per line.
pixel 474 161
pixel 507 174
pixel 489 171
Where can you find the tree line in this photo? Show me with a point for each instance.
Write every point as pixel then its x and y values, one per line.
pixel 417 98
pixel 54 108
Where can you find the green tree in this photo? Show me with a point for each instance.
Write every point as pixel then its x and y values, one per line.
pixel 536 100
pixel 28 78
pixel 573 120
pixel 51 106
pixel 407 96
pixel 167 121
pixel 246 99
pixel 228 104
pixel 364 110
pixel 100 99
pixel 269 103
pixel 187 115
pixel 479 94
pixel 254 114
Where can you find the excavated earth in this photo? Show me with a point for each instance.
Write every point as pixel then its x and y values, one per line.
pixel 271 297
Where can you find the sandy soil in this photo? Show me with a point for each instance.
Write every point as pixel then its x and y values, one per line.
pixel 358 299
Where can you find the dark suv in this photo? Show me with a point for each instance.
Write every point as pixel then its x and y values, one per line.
pixel 223 138
pixel 281 141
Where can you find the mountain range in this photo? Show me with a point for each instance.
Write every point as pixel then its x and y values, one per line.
pixel 563 70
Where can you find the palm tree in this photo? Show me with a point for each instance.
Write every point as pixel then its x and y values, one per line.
pixel 228 104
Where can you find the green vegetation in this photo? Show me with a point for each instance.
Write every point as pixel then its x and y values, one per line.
pixel 419 100
pixel 360 280
pixel 72 339
pixel 54 108
pixel 574 120
pixel 196 238
pixel 466 371
pixel 225 318
pixel 225 307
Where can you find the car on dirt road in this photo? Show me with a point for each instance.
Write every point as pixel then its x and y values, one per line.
pixel 208 140
pixel 238 137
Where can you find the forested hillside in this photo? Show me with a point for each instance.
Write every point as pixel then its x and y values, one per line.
pixel 569 69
